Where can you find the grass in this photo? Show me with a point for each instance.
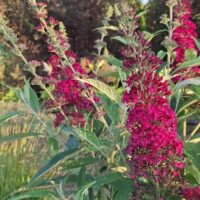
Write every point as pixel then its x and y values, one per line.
pixel 19 160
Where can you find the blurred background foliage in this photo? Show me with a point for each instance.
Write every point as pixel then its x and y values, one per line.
pixel 80 18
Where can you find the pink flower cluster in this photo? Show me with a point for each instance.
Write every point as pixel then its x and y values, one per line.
pixel 154 150
pixel 70 99
pixel 184 36
pixel 191 193
pixel 68 91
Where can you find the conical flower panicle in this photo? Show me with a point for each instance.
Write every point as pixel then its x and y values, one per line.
pixel 70 101
pixel 154 150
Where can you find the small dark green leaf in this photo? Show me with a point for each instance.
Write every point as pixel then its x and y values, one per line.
pixel 125 187
pixel 107 179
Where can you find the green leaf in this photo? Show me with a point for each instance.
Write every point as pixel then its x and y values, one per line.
pixel 107 179
pixel 91 138
pixel 193 171
pixel 191 148
pixel 161 54
pixel 148 36
pixel 142 13
pixel 120 39
pixel 190 54
pixel 196 90
pixel 72 164
pixel 54 162
pixel 122 75
pixel 19 136
pixel 118 63
pixel 32 194
pixel 197 43
pixel 114 61
pixel 125 188
pixel 190 63
pixel 111 108
pixel 9 115
pixel 191 81
pixel 103 88
pixel 30 98
pixel 80 194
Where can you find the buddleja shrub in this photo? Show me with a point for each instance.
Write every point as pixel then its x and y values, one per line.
pixel 117 142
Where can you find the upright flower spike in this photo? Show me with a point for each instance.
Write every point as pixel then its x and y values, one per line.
pixel 184 35
pixel 154 150
pixel 69 95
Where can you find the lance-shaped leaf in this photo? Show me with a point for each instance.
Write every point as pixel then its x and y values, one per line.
pixel 103 88
pixel 54 162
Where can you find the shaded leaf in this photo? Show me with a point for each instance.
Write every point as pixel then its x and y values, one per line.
pixel 125 188
pixel 79 163
pixel 107 179
pixel 54 162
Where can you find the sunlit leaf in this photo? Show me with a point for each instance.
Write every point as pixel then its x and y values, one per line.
pixel 103 88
